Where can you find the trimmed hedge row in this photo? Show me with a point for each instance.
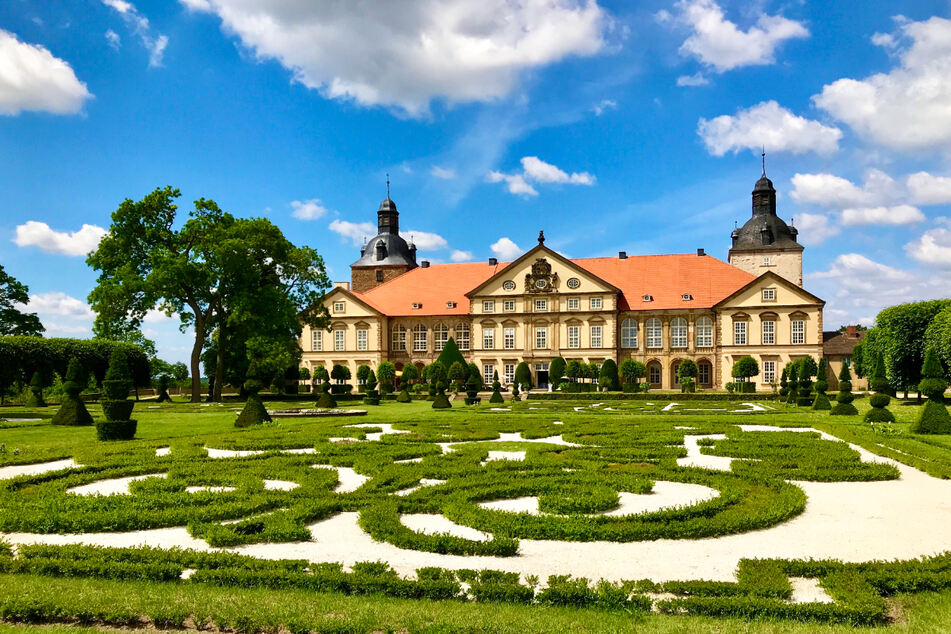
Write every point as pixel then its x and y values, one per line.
pixel 27 355
pixel 651 396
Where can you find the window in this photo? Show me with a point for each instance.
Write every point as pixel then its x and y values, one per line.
pixel 420 340
pixel 769 333
pixel 541 337
pixel 399 338
pixel 704 332
pixel 340 307
pixel 488 306
pixel 340 339
pixel 573 303
pixel 488 338
pixel 767 260
pixel 686 297
pixel 316 340
pixel 488 373
pixel 362 336
pixel 703 373
pixel 769 294
pixel 653 373
pixel 655 334
pixel 508 338
pixel 739 333
pixel 574 337
pixel 629 333
pixel 462 336
pixel 595 303
pixel 509 373
pixel 508 285
pixel 595 336
pixel 678 333
pixel 440 337
pixel 379 276
pixel 573 282
pixel 541 305
pixel 798 331
pixel 769 371
pixel 508 305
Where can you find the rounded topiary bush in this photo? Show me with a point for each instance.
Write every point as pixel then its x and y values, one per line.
pixel 441 401
pixel 72 411
pixel 843 400
pixel 326 399
pixel 372 395
pixel 403 396
pixel 933 417
pixel 254 412
pixel 116 429
pixel 35 396
pixel 880 400
pixel 117 410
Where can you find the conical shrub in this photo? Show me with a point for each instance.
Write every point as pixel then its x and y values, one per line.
pixel 933 417
pixel 116 407
pixel 880 400
pixel 843 400
pixel 35 397
pixel 253 412
pixel 72 411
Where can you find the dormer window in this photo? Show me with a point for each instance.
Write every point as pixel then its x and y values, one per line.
pixel 417 305
pixel 339 307
pixel 686 297
pixel 769 294
pixel 648 298
pixel 450 304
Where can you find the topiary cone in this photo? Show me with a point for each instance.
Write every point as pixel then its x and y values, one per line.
pixel 254 412
pixel 72 411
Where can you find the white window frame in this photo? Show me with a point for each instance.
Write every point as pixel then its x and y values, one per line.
pixel 508 306
pixel 488 373
pixel 440 337
pixel 739 333
pixel 363 338
pixel 488 338
pixel 678 333
pixel 654 333
pixel 629 333
pixel 541 305
pixel 340 307
pixel 769 332
pixel 508 338
pixel 508 373
pixel 798 337
pixel 596 336
pixel 704 332
pixel 399 338
pixel 463 336
pixel 316 340
pixel 574 303
pixel 488 306
pixel 769 294
pixel 574 336
pixel 769 372
pixel 541 338
pixel 420 339
pixel 595 303
pixel 340 339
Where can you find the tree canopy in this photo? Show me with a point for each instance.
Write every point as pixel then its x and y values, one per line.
pixel 12 320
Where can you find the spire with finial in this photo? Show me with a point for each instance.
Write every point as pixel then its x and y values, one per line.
pixel 388 182
pixel 764 160
pixel 541 237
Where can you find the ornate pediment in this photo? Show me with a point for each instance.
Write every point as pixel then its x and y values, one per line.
pixel 541 279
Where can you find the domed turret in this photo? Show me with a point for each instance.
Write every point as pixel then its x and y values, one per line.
pixel 385 255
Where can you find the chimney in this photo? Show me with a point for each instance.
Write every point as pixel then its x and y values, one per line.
pixel 344 285
pixel 622 255
pixel 493 261
pixel 851 331
pixel 424 264
pixel 701 253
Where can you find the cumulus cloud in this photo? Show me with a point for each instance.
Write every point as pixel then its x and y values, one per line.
pixel 815 228
pixel 767 124
pixel 113 39
pixel 505 249
pixel 605 105
pixel 31 78
pixel 934 245
pixel 926 189
pixel 460 256
pixel 424 240
pixel 537 171
pixel 829 190
pixel 357 232
pixel 697 79
pixel 907 107
pixel 154 43
pixel 516 183
pixel 443 173
pixel 39 234
pixel 405 54
pixel 308 209
pixel 58 304
pixel 895 215
pixel 722 45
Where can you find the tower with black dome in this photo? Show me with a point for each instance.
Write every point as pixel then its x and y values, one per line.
pixel 766 242
pixel 387 254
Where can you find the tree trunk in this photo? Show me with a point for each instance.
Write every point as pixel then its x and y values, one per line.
pixel 196 357
pixel 220 362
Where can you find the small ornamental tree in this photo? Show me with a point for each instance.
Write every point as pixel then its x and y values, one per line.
pixel 474 372
pixel 880 399
pixel 496 387
pixel 793 383
pixel 163 395
pixel 687 371
pixel 574 370
pixel 116 407
pixel 807 369
pixel 450 354
pixel 458 374
pixel 440 401
pixel 933 418
pixel 438 375
pixel 822 384
pixel 523 376
pixel 472 390
pixel 556 372
pixel 593 371
pixel 410 375
pixel 386 373
pixel 340 373
pixel 35 397
pixel 372 394
pixel 292 380
pixel 253 412
pixel 632 371
pixel 744 368
pixel 843 400
pixel 363 373
pixel 72 411
pixel 321 375
pixel 608 378
pixel 303 376
pixel 784 382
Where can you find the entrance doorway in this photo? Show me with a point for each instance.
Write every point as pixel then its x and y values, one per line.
pixel 541 375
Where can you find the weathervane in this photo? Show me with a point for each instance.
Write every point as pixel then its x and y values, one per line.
pixel 764 160
pixel 387 184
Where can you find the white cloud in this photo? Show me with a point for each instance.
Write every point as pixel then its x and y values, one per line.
pixel 829 190
pixel 113 39
pixel 767 124
pixel 906 108
pixel 39 234
pixel 155 44
pixel 934 246
pixel 424 240
pixel 926 189
pixel 536 171
pixel 505 249
pixel 31 78
pixel 308 209
pixel 516 183
pixel 406 54
pixel 697 79
pixel 156 316
pixel 460 256
pixel 358 232
pixel 722 45
pixel 896 215
pixel 815 228
pixel 443 173
pixel 58 304
pixel 604 106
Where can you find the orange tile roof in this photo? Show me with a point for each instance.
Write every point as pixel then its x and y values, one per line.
pixel 665 277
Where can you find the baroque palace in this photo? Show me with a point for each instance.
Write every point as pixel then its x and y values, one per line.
pixel 657 309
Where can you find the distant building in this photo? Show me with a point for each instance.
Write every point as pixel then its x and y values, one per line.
pixel 838 347
pixel 657 309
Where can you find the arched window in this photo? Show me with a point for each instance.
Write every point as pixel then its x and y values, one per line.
pixel 399 338
pixel 629 333
pixel 440 337
pixel 678 333
pixel 420 342
pixel 462 336
pixel 655 333
pixel 704 332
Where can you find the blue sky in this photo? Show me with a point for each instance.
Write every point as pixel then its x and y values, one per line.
pixel 611 125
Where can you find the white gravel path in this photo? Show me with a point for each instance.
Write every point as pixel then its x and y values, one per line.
pixel 664 496
pixel 162 451
pixel 703 461
pixel 385 429
pixel 424 482
pixel 280 485
pixel 36 468
pixel 437 524
pixel 209 489
pixel 114 486
pixel 517 456
pixel 348 479
pixel 808 590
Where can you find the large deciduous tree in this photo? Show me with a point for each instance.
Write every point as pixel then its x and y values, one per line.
pixel 12 320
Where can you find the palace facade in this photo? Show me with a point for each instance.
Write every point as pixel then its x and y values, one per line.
pixel 657 309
